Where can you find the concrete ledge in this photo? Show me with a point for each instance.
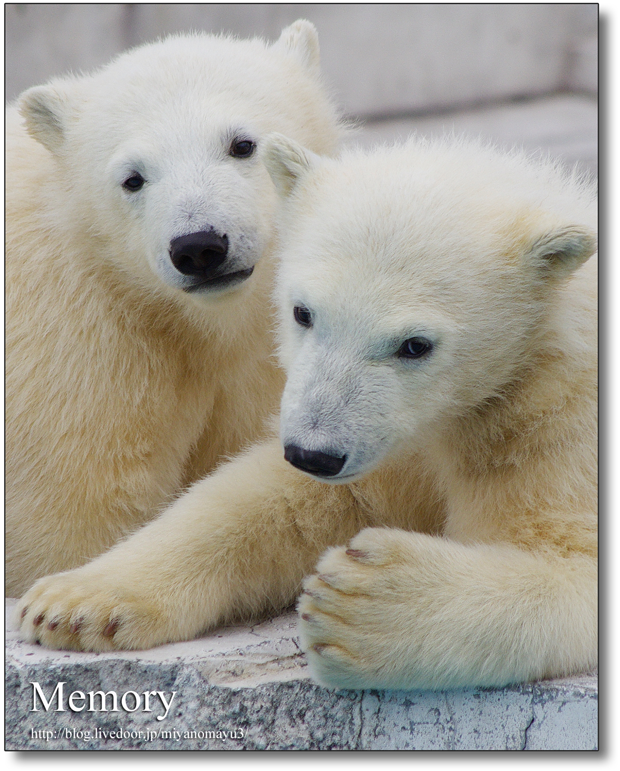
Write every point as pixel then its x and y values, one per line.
pixel 563 126
pixel 248 688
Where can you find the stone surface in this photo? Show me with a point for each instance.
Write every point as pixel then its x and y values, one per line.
pixel 248 688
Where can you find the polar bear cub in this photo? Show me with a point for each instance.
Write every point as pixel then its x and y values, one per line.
pixel 438 323
pixel 438 328
pixel 139 271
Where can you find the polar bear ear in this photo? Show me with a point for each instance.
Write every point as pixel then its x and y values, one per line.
pixel 301 39
pixel 286 161
pixel 563 251
pixel 44 109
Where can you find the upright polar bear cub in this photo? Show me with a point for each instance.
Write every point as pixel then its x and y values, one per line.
pixel 139 235
pixel 438 328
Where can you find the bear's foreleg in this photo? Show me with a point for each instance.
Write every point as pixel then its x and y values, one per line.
pixel 236 545
pixel 404 610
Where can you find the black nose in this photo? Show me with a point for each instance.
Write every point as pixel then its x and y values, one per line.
pixel 198 254
pixel 314 461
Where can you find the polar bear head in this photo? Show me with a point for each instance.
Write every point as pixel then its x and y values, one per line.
pixel 157 152
pixel 415 283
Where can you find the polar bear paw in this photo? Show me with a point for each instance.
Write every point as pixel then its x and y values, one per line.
pixel 77 611
pixel 351 611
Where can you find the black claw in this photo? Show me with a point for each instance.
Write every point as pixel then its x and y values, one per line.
pixel 111 628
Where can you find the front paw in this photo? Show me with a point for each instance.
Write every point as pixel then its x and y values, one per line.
pixel 89 611
pixel 355 613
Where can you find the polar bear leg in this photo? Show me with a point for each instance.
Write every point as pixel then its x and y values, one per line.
pixel 236 544
pixel 405 610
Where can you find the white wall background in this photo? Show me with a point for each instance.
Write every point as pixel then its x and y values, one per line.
pixel 381 59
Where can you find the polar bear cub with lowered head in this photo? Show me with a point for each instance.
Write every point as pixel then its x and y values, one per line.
pixel 438 322
pixel 139 235
pixel 439 336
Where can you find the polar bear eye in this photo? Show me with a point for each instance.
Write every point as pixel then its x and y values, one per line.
pixel 414 348
pixel 302 316
pixel 242 148
pixel 134 182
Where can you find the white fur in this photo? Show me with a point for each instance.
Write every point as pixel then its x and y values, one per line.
pixel 381 268
pixel 122 385
pixel 468 496
pixel 481 255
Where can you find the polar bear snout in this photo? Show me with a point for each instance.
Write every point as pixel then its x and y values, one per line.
pixel 204 259
pixel 314 462
pixel 199 254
